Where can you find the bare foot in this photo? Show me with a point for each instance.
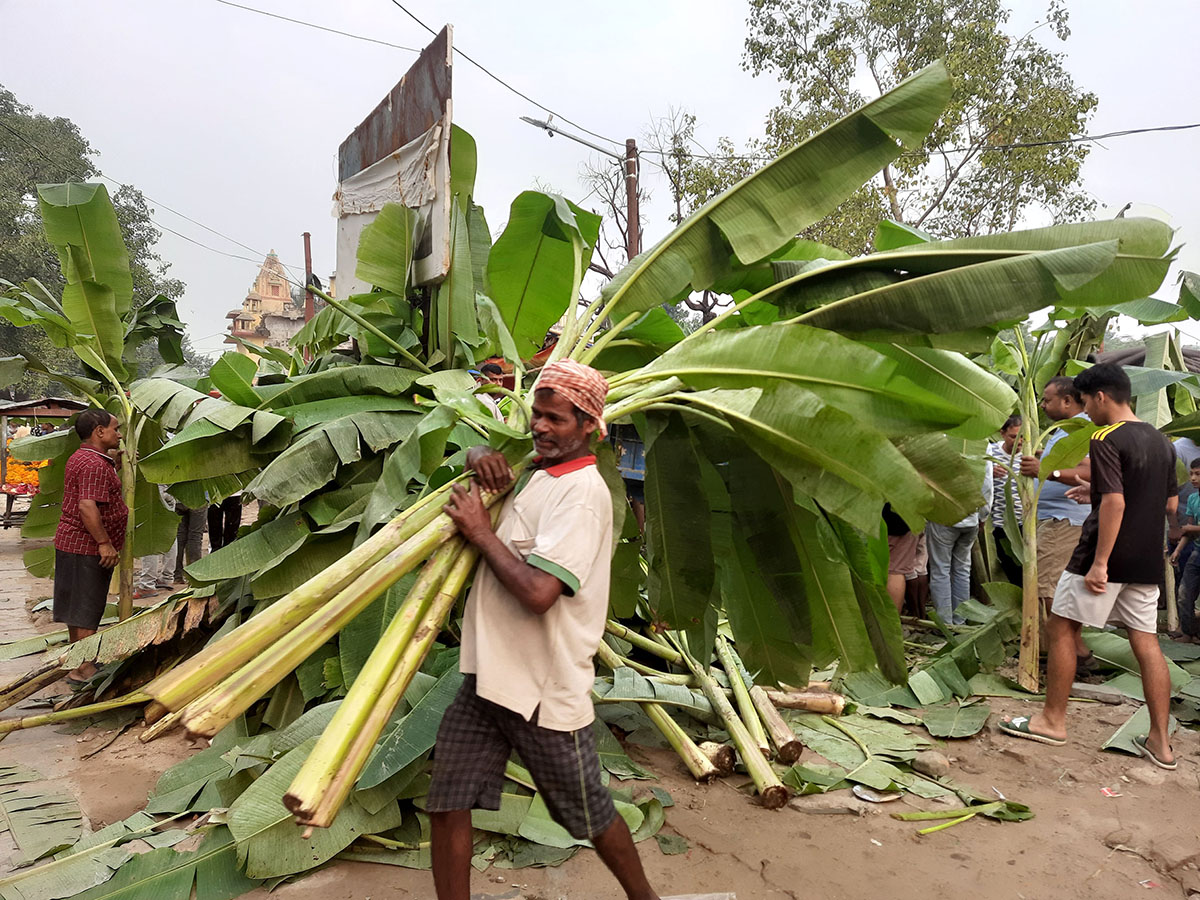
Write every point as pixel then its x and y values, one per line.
pixel 83 673
pixel 1037 724
pixel 1160 748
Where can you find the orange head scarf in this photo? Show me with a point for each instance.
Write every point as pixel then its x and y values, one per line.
pixel 582 385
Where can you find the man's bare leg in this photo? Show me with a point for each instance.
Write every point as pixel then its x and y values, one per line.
pixel 86 669
pixel 615 846
pixel 1156 685
pixel 896 587
pixel 451 846
pixel 1061 635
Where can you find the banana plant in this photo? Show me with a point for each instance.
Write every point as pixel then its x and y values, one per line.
pixel 95 318
pixel 824 392
pixel 774 435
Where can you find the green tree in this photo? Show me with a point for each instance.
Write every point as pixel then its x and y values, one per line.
pixel 834 55
pixel 37 149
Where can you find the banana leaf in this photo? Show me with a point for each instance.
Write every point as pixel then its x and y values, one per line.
pixel 233 375
pixel 268 842
pixel 764 211
pixel 385 249
pixel 313 458
pixel 530 267
pixel 679 552
pixel 39 820
pixel 956 720
pixel 825 453
pixel 82 226
pixel 211 871
pixel 850 376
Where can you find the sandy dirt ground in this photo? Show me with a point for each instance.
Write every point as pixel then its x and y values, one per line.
pixel 1145 841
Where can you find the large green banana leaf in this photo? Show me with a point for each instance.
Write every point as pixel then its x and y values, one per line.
pixel 312 459
pixel 954 480
pixel 951 393
pixel 956 299
pixel 453 316
pixel 82 216
pixel 81 225
pixel 983 400
pixel 156 319
pixel 340 381
pixel 233 375
pixel 848 467
pixel 385 249
pixel 765 210
pixel 31 304
pixel 679 551
pixel 1080 277
pixel 268 841
pixel 255 551
pixel 210 872
pixel 530 267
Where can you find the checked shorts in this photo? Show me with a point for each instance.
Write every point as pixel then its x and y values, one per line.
pixel 474 742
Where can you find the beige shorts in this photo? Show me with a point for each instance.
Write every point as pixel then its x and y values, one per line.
pixel 1132 605
pixel 902 554
pixel 1056 541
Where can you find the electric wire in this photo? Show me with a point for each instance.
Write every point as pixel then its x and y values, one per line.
pixel 357 37
pixel 505 84
pixel 33 144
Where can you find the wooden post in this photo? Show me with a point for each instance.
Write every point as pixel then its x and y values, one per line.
pixel 1172 600
pixel 1031 613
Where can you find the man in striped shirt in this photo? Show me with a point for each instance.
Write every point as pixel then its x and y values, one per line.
pixel 91 530
pixel 1005 493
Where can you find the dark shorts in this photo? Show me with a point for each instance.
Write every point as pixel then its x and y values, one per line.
pixel 80 589
pixel 474 742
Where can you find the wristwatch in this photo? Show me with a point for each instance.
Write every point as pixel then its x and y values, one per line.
pixel 1056 474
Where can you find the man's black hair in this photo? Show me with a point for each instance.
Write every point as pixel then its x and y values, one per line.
pixel 1014 419
pixel 1195 463
pixel 1108 378
pixel 1066 387
pixel 491 369
pixel 89 420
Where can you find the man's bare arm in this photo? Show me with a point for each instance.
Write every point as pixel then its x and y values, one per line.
pixel 89 512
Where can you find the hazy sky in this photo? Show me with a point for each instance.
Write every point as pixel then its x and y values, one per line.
pixel 234 119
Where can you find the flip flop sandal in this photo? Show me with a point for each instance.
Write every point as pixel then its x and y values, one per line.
pixel 1018 727
pixel 1147 753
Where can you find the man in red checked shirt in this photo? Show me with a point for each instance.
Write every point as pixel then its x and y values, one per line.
pixel 90 531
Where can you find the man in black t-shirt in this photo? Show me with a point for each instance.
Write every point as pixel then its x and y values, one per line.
pixel 1113 574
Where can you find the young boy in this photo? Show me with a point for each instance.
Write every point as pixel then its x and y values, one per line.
pixel 1113 573
pixel 1189 632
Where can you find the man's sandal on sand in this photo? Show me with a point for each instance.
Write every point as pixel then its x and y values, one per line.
pixel 1018 727
pixel 1147 753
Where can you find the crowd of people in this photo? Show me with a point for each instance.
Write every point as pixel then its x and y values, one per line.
pixel 1104 529
pixel 942 555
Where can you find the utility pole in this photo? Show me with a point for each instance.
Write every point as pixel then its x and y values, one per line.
pixel 309 309
pixel 633 230
pixel 633 236
pixel 309 303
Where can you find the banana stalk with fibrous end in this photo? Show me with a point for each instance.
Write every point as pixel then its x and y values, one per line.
pixel 696 761
pixel 771 790
pixel 741 694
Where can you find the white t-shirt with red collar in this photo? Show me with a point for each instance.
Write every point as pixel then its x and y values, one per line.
pixel 560 522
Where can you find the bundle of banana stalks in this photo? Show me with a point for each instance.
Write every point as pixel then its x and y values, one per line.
pixel 757 730
pixel 214 687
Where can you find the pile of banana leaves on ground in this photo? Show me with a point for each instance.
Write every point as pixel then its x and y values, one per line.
pixel 318 649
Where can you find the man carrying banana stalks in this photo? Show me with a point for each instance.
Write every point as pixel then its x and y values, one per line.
pixel 533 620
